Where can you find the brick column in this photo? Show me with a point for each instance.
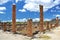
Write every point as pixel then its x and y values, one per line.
pixel 50 26
pixel 47 26
pixel 41 18
pixel 29 27
pixel 14 18
pixel 0 25
pixel 4 26
pixel 53 25
pixel 57 22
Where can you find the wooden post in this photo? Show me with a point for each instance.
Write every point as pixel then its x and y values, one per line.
pixel 14 18
pixel 4 26
pixel 41 19
pixel 29 28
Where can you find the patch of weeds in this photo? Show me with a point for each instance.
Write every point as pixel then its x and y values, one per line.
pixel 45 37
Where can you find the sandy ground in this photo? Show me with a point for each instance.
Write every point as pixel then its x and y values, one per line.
pixel 54 34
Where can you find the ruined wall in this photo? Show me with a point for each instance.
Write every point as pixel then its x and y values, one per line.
pixel 29 27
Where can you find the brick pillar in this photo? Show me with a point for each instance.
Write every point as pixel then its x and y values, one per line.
pixel 53 25
pixel 41 18
pixel 47 26
pixel 57 22
pixel 4 26
pixel 14 18
pixel 50 26
pixel 0 25
pixel 29 27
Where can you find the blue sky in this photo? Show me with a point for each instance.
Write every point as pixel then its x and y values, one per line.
pixel 26 9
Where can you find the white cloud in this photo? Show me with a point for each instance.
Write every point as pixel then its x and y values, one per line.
pixel 47 19
pixel 25 20
pixel 22 10
pixel 36 20
pixel 17 20
pixel 46 1
pixel 21 20
pixel 18 0
pixel 7 21
pixel 3 1
pixel 53 10
pixel 33 5
pixel 2 8
pixel 38 1
pixel 57 15
pixel 57 7
pixel 2 12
